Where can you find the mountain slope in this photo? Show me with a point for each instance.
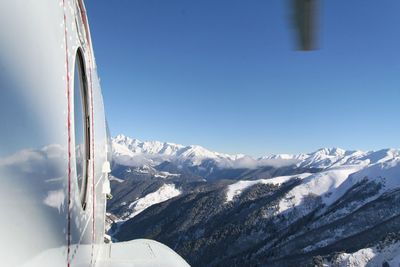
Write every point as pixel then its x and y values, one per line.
pixel 277 223
pixel 331 207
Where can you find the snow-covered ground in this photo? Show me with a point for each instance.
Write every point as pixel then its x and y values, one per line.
pixel 237 188
pixel 370 257
pixel 165 192
pixel 112 178
pixel 340 169
pixel 330 184
pixel 332 172
pixel 166 175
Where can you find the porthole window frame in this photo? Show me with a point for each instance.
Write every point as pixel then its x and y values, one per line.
pixel 85 107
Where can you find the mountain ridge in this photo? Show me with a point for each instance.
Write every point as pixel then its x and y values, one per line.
pixel 330 207
pixel 129 151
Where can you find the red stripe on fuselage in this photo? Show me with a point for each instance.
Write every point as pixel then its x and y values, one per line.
pixel 69 137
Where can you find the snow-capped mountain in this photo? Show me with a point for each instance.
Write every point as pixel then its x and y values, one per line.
pixel 334 157
pixel 332 183
pixel 133 152
pixel 331 207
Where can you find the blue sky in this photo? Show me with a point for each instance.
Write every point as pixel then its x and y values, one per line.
pixel 224 74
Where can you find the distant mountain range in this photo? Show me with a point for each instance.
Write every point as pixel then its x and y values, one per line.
pixel 134 153
pixel 331 207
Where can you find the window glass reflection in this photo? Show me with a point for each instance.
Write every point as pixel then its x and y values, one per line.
pixel 81 127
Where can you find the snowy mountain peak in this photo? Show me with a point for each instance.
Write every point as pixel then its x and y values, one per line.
pixel 125 147
pixel 133 152
pixel 330 152
pixel 148 147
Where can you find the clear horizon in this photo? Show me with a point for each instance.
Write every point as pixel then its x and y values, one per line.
pixel 224 75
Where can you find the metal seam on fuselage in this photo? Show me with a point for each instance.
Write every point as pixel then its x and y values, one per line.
pixel 93 170
pixel 69 137
pixel 85 22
